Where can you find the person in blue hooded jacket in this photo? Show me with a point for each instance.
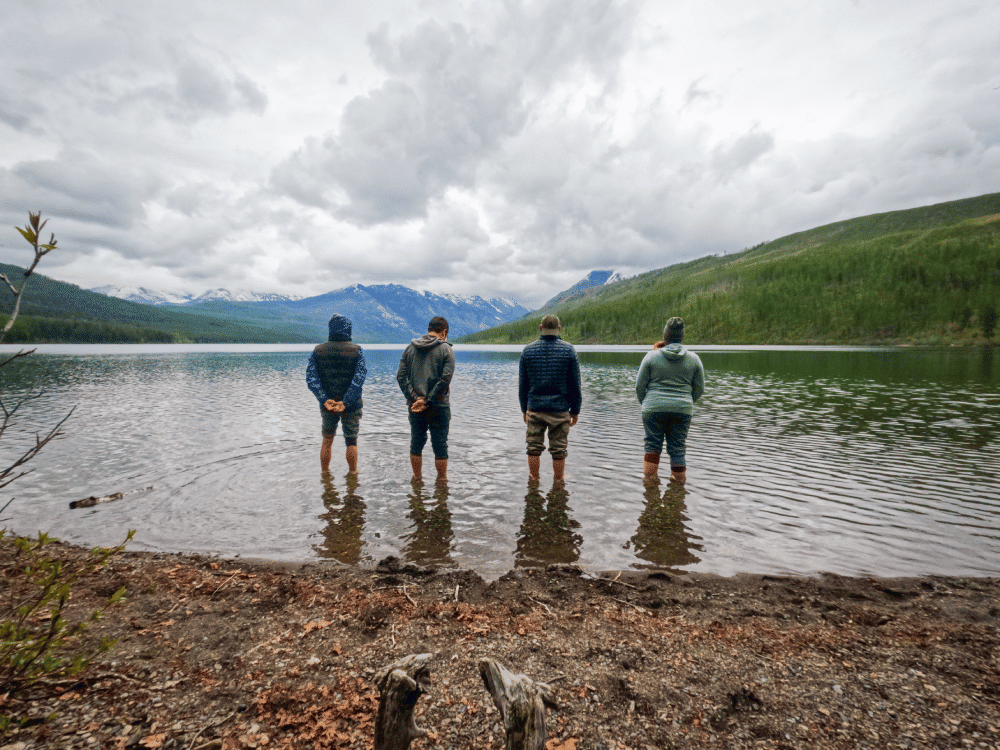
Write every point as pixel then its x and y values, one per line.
pixel 335 375
pixel 669 382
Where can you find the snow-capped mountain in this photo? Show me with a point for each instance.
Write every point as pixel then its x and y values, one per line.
pixel 144 296
pixel 591 280
pixel 379 313
pixel 159 297
pixel 402 313
pixel 241 295
pixel 616 276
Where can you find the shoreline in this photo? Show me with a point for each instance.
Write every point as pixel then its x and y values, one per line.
pixel 250 653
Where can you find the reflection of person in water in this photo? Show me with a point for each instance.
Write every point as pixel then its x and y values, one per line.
pixel 547 534
pixel 429 541
pixel 662 539
pixel 345 520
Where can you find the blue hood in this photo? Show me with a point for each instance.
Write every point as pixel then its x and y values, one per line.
pixel 340 328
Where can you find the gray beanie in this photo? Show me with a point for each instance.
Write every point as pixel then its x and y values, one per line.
pixel 673 331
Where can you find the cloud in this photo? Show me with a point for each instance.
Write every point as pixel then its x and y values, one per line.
pixel 454 95
pixel 80 185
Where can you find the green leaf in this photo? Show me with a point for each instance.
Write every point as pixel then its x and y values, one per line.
pixel 27 234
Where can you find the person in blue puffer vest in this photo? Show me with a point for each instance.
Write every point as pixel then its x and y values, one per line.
pixel 669 382
pixel 550 395
pixel 335 375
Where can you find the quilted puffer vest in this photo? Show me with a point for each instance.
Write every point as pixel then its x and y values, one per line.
pixel 335 363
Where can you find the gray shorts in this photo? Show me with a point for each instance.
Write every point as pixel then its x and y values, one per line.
pixel 556 423
pixel 350 419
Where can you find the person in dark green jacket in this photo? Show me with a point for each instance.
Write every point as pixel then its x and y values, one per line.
pixel 669 382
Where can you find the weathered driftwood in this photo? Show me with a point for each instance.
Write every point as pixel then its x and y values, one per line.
pixel 400 685
pixel 521 702
pixel 89 502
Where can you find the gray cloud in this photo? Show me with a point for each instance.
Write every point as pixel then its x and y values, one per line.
pixel 79 185
pixel 455 93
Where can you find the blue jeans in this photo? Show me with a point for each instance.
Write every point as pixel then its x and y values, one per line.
pixel 669 426
pixel 433 418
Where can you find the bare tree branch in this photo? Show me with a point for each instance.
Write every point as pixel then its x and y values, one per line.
pixel 31 452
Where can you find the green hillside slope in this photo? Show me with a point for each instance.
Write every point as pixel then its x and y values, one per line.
pixel 53 311
pixel 927 275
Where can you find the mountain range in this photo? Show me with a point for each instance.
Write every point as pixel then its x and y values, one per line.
pixel 381 313
pixel 145 296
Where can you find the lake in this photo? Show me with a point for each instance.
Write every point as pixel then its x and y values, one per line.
pixel 801 460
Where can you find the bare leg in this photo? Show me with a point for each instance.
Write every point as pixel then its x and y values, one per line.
pixel 558 470
pixel 325 453
pixel 352 459
pixel 651 467
pixel 678 474
pixel 534 466
pixel 417 464
pixel 441 465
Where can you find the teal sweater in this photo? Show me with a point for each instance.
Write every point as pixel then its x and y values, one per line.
pixel 670 379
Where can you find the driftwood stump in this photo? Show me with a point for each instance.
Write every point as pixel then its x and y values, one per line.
pixel 521 702
pixel 400 685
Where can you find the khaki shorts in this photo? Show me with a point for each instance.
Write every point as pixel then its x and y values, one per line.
pixel 557 425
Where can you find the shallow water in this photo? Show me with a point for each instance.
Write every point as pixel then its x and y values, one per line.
pixel 855 461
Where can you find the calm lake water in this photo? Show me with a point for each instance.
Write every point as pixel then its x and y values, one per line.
pixel 854 461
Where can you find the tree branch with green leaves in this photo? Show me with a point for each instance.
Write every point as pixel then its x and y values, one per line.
pixel 32 232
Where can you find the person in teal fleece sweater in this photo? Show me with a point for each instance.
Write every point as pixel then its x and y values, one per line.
pixel 669 382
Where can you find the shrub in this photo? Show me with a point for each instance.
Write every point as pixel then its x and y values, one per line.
pixel 36 640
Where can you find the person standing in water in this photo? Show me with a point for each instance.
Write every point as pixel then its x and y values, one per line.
pixel 670 380
pixel 424 377
pixel 550 395
pixel 335 375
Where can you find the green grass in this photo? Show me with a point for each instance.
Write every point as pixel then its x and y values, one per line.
pixel 923 276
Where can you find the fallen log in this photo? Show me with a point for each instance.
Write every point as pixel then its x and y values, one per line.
pixel 521 702
pixel 89 502
pixel 400 685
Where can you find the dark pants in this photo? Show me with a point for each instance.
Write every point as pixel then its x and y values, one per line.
pixel 669 426
pixel 433 418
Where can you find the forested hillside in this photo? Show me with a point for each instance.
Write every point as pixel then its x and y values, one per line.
pixel 928 275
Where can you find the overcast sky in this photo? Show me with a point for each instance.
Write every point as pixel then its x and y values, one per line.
pixel 494 148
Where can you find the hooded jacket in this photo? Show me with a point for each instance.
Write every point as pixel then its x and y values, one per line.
pixel 426 369
pixel 337 369
pixel 670 379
